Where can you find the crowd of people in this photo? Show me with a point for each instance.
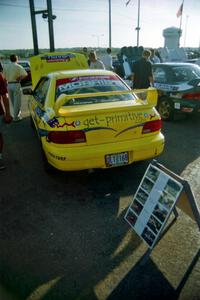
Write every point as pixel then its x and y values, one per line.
pixel 96 63
pixel 142 76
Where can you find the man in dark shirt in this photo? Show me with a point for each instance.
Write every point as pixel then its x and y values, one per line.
pixel 142 72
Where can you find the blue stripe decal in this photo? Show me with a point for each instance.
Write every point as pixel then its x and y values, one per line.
pixel 129 128
pixel 98 128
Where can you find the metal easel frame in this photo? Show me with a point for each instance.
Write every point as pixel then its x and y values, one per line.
pixel 190 198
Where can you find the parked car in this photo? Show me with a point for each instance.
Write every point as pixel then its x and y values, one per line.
pixel 178 86
pixel 26 65
pixel 89 119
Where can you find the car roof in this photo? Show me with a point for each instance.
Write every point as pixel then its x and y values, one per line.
pixel 23 61
pixel 174 64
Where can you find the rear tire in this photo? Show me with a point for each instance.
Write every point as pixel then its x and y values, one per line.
pixel 165 109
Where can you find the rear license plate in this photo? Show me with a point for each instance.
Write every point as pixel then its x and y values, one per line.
pixel 117 159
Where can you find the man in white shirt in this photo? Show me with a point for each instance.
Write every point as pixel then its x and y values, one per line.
pixel 14 73
pixel 107 60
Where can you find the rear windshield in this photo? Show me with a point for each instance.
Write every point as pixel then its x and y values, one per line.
pixel 24 64
pixel 92 84
pixel 185 73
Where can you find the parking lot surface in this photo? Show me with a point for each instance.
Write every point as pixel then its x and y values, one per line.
pixel 63 235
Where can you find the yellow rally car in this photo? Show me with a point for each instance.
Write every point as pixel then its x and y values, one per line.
pixel 90 118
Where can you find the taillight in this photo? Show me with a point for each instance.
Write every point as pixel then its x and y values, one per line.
pixel 152 126
pixel 66 137
pixel 191 96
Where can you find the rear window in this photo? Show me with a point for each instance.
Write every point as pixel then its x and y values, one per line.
pixel 23 64
pixel 185 73
pixel 92 84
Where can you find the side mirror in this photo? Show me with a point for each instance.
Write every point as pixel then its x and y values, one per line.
pixel 27 91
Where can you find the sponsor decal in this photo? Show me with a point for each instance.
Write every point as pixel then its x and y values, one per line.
pixel 115 119
pixel 39 112
pixel 58 58
pixel 87 84
pixel 48 115
pixel 54 123
pixel 85 78
pixel 172 87
pixel 92 124
pixel 43 132
pixel 166 87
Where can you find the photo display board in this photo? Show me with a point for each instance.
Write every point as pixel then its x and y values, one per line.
pixel 152 204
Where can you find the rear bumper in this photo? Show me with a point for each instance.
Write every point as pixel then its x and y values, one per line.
pixel 186 106
pixel 91 157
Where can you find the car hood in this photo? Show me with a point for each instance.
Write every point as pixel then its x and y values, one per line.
pixel 46 63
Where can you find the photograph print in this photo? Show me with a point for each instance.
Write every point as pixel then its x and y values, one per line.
pixel 137 207
pixel 147 185
pixel 148 236
pixel 153 173
pixel 166 200
pixel 173 188
pixel 141 196
pixel 131 217
pixel 154 224
pixel 160 212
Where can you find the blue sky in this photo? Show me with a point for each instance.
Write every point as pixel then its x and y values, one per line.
pixel 85 23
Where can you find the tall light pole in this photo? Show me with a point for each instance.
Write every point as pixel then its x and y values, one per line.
pixel 46 13
pixel 138 24
pixel 110 24
pixel 138 21
pixel 34 28
pixel 50 22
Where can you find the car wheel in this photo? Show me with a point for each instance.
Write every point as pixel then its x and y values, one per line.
pixel 165 109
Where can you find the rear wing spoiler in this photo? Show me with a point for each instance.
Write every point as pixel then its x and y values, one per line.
pixel 148 96
pixel 45 63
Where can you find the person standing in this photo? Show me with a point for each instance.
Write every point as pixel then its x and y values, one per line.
pixel 95 63
pixel 85 52
pixel 107 60
pixel 153 57
pixel 14 73
pixel 4 101
pixel 142 72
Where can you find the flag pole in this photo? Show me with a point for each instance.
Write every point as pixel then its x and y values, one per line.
pixel 181 17
pixel 186 22
pixel 180 13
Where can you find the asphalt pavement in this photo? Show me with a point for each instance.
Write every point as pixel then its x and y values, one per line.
pixel 63 235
